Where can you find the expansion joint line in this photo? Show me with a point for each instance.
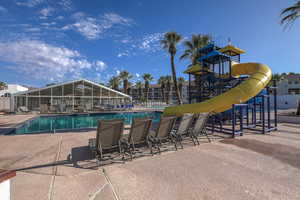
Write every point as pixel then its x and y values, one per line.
pixel 110 184
pixel 50 193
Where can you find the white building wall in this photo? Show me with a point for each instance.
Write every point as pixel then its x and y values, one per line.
pixel 13 88
pixel 286 101
pixel 5 104
pixel 285 84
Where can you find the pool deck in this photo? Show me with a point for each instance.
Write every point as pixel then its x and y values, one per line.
pixel 250 167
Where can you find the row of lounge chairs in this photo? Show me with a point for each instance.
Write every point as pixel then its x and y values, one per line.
pixel 110 138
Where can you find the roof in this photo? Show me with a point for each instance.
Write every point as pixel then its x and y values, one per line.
pixel 231 50
pixel 207 48
pixel 292 77
pixel 74 81
pixel 213 56
pixel 196 69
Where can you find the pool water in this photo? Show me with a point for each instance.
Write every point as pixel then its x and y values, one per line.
pixel 46 124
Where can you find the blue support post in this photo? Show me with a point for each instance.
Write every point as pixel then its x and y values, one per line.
pixel 275 104
pixel 241 120
pixel 263 115
pixel 233 121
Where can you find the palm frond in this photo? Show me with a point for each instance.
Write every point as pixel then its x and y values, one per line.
pixel 184 56
pixel 290 14
pixel 188 45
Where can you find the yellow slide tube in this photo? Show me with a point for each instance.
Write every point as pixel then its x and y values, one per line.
pixel 259 76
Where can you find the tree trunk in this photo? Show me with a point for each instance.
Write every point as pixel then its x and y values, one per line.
pixel 180 90
pixel 140 94
pixel 298 109
pixel 163 94
pixel 128 90
pixel 125 86
pixel 175 80
pixel 168 93
pixel 168 96
pixel 146 92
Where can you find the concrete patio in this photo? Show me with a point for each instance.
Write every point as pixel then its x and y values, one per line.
pixel 250 167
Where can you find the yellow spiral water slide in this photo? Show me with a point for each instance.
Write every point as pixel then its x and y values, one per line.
pixel 259 76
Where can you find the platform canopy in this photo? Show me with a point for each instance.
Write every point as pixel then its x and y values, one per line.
pixel 232 50
pixel 196 69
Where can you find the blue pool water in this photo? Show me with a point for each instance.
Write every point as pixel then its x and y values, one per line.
pixel 46 124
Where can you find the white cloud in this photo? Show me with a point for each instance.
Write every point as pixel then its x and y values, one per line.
pixel 39 60
pixel 120 55
pixel 87 27
pixel 60 17
pixel 66 4
pixel 137 75
pixel 46 12
pixel 94 28
pixel 2 9
pixel 151 42
pixel 33 29
pixel 48 24
pixel 118 72
pixel 29 3
pixel 100 65
pixel 112 18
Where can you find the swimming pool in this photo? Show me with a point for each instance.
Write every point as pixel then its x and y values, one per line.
pixel 60 123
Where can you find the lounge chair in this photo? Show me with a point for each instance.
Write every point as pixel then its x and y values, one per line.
pixel 183 127
pixel 138 135
pixel 199 128
pixel 163 133
pixel 23 109
pixel 44 108
pixel 108 138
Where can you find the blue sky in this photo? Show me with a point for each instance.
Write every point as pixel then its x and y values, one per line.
pixel 45 41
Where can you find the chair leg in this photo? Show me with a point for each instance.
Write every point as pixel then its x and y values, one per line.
pixel 150 145
pixel 197 140
pixel 122 150
pixel 204 132
pixel 158 146
pixel 174 141
pixel 180 141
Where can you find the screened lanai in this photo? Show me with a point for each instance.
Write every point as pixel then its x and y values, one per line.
pixel 75 96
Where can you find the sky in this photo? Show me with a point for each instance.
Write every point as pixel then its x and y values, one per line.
pixel 52 41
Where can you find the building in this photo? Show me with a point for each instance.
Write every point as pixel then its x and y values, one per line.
pixel 12 89
pixel 289 84
pixel 74 96
pixel 155 94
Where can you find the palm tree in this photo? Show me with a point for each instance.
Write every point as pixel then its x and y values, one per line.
pixel 129 88
pixel 3 85
pixel 125 76
pixel 181 81
pixel 171 39
pixel 162 82
pixel 147 78
pixel 114 82
pixel 139 86
pixel 290 14
pixel 192 47
pixel 168 88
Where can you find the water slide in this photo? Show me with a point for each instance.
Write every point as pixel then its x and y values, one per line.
pixel 259 76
